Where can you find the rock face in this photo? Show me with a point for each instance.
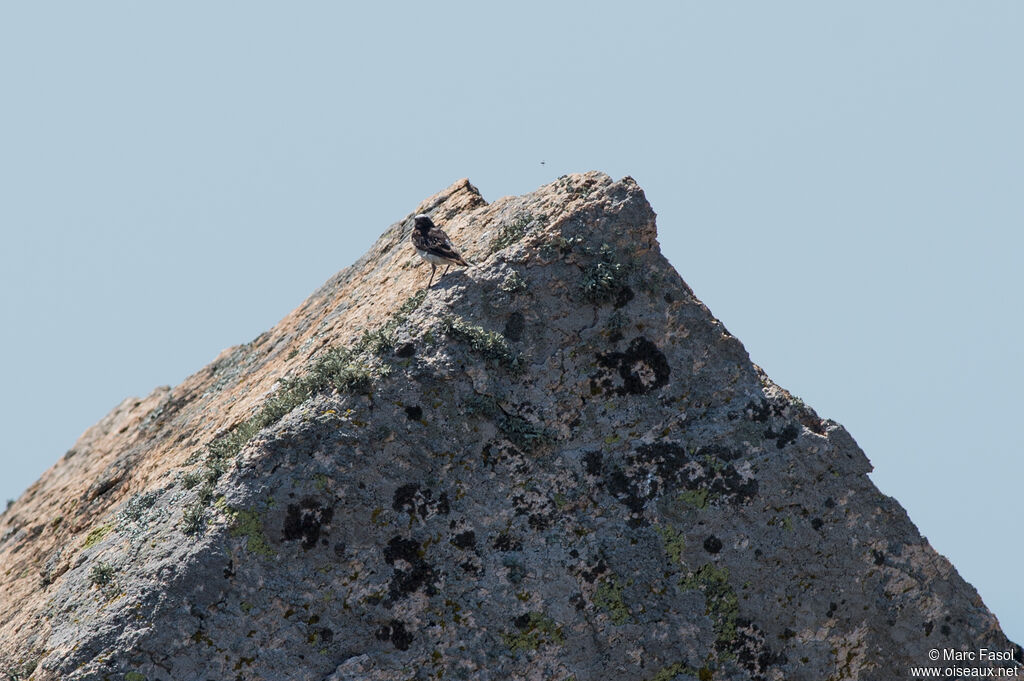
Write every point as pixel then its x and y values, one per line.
pixel 556 464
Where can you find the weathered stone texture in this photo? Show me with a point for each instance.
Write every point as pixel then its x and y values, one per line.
pixel 556 464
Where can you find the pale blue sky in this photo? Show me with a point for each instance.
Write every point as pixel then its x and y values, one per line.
pixel 839 182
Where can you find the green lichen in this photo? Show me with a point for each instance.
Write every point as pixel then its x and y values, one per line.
pixel 248 524
pixel 134 676
pixel 513 283
pixel 672 540
pixel 605 277
pixel 101 574
pixel 677 669
pixel 721 603
pixel 96 535
pixel 516 229
pixel 535 629
pixel 697 498
pixel 522 433
pixel 488 344
pixel 608 597
pixel 343 369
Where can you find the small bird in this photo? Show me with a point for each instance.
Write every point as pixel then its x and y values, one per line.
pixel 434 246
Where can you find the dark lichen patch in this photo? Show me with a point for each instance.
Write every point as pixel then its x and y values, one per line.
pixel 399 548
pixel 464 540
pixel 534 629
pixel 640 369
pixel 411 499
pixel 751 650
pixel 305 521
pixel 702 476
pixel 506 542
pixel 712 544
pixel 514 326
pixel 414 412
pixel 405 350
pixel 395 632
pixel 411 572
pixel 785 436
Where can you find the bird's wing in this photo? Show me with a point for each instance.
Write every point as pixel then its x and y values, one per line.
pixel 438 243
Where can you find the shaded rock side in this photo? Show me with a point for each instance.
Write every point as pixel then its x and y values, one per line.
pixel 556 464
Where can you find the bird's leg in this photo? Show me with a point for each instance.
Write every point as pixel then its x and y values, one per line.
pixel 445 271
pixel 433 268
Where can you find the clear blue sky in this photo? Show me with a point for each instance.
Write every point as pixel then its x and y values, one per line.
pixel 841 183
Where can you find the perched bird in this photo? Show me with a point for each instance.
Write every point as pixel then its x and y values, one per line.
pixel 434 246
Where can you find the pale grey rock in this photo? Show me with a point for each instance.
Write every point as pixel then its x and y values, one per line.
pixel 561 466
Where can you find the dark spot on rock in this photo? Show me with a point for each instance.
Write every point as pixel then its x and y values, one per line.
pixel 514 327
pixel 326 634
pixel 403 498
pixel 662 467
pixel 522 622
pixel 928 626
pixel 758 411
pixel 831 609
pixel 830 503
pixel 879 557
pixel 407 349
pixel 409 498
pixel 595 571
pixel 401 549
pixel 464 540
pixel 787 634
pixel 624 295
pixel 712 544
pixel 538 522
pixel 414 413
pixel 642 368
pixel 339 549
pixel 469 567
pixel 395 632
pixel 786 436
pixel 592 462
pixel 816 523
pixel 229 569
pixel 406 582
pixel 751 650
pixel 504 542
pixel 305 520
pixel 668 298
pixel 945 629
pixel 622 488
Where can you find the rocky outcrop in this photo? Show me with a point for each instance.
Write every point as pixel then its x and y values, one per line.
pixel 555 464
